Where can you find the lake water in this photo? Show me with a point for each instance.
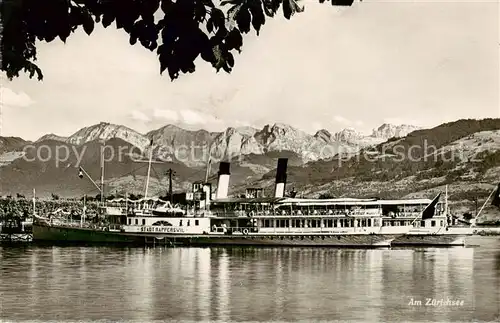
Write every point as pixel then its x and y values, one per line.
pixel 250 284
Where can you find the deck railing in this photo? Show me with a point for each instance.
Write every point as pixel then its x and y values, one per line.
pixel 237 214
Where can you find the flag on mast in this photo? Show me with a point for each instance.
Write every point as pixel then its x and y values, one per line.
pixel 431 208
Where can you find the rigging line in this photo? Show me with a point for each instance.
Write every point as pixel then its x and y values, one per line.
pixel 212 177
pixel 116 179
pixel 126 174
pixel 157 176
pixel 194 175
pixel 156 173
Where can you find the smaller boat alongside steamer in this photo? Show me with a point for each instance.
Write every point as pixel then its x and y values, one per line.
pixel 266 221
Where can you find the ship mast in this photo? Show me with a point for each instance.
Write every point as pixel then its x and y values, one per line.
pixel 205 186
pixel 34 203
pixel 446 200
pixel 82 218
pixel 207 174
pixel 102 173
pixel 149 171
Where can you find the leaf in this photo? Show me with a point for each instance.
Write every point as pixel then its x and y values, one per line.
pixel 107 20
pixel 207 53
pixel 234 40
pixel 290 7
pixel 88 24
pixel 200 12
pixel 346 3
pixel 226 68
pixel 229 59
pixel 226 2
pixel 271 7
pixel 243 20
pixel 210 25
pixel 258 18
pixel 166 6
pixel 218 17
pixel 173 71
pixel 149 7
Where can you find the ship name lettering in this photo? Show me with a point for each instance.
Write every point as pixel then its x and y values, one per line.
pixel 162 229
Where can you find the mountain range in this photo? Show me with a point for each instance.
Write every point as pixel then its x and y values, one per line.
pixel 236 141
pixel 345 163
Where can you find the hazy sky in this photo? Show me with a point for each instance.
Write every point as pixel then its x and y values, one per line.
pixel 422 62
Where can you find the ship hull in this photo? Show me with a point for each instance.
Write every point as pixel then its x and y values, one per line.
pixel 74 235
pixel 341 241
pixel 60 234
pixel 445 240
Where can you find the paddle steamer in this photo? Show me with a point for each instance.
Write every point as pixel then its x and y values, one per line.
pixel 265 221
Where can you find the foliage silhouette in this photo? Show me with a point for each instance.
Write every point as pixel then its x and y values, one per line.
pixel 186 30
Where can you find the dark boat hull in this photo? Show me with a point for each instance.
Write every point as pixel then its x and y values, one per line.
pixel 72 235
pixel 445 240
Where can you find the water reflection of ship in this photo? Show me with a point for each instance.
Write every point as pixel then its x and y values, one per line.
pixel 286 281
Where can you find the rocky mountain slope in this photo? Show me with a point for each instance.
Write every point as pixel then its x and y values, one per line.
pixel 194 148
pixel 52 136
pixel 387 131
pixel 8 144
pixel 107 131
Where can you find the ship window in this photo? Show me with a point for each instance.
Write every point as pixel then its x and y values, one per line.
pixel 433 223
pixel 334 223
pixel 196 222
pixel 422 224
pixel 180 223
pixel 143 221
pixel 136 221
pixel 188 223
pixel 129 221
pixel 441 223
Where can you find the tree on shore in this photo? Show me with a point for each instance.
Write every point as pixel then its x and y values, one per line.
pixel 187 28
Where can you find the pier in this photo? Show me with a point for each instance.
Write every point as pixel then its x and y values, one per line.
pixel 16 237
